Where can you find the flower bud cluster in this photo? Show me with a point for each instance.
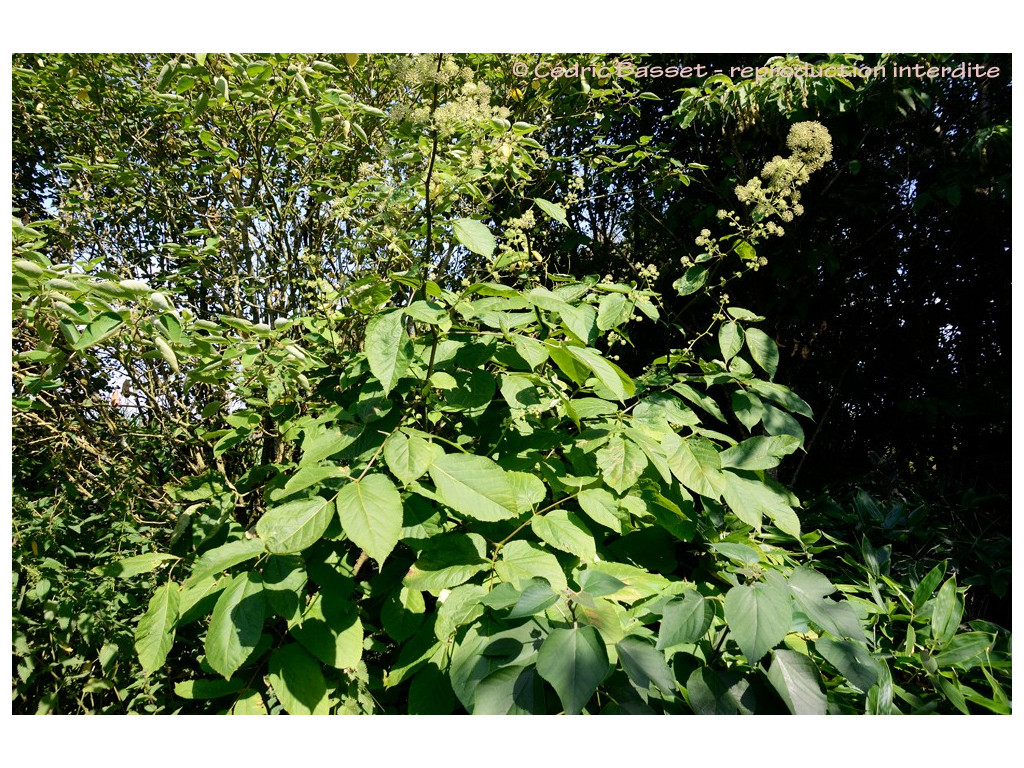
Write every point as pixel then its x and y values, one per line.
pixel 516 238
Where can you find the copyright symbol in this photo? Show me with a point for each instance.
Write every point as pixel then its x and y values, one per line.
pixel 519 69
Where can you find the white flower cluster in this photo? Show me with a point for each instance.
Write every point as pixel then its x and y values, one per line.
pixel 470 104
pixel 775 192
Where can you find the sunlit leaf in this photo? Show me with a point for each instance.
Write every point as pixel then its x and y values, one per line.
pixel 371 514
pixel 154 634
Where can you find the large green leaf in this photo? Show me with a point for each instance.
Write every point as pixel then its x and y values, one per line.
pixel 947 610
pixel 778 422
pixel 597 583
pixel 221 558
pixel 781 395
pixel 621 462
pixel 852 660
pixel 759 616
pixel 284 586
pixel 965 649
pixel 475 235
pixel 660 409
pixel 371 514
pixel 409 457
pixel 446 561
pixel 601 507
pixel 763 349
pixel 482 651
pixel 474 486
pixel 387 347
pixel 927 586
pixel 696 463
pixel 431 693
pixel 613 311
pixel 565 531
pixel 537 595
pixel 730 340
pixel 553 210
pixel 692 280
pixel 513 690
pixel 249 702
pixel 653 450
pixel 609 374
pixel 639 584
pixel 719 693
pixel 295 525
pixel 751 499
pixel 581 322
pixel 308 476
pixel 531 350
pixel 402 613
pixel 759 452
pixel 207 689
pixel 472 392
pixel 331 631
pixel 521 561
pixel 99 330
pixel 318 442
pixel 748 408
pixel 461 606
pixel 133 566
pixel 298 682
pixel 236 624
pixel 810 589
pixel 574 661
pixel 529 490
pixel 645 665
pixel 685 620
pixel 154 635
pixel 796 680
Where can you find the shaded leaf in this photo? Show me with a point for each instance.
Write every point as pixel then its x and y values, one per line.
pixel 236 624
pixel 645 665
pixel 298 682
pixel 853 661
pixel 574 661
pixel 759 616
pixel 685 620
pixel 796 680
pixel 331 631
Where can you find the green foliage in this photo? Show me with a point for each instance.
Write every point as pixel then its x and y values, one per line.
pixel 421 492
